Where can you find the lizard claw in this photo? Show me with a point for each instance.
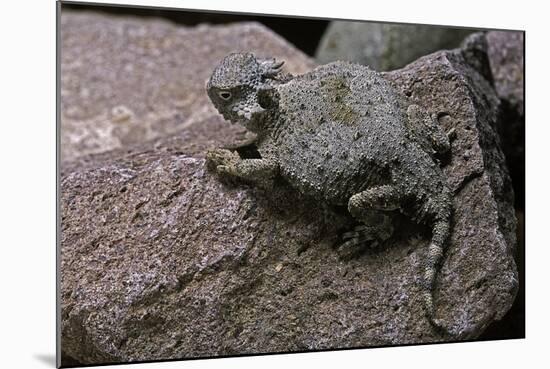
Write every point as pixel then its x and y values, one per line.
pixel 221 157
pixel 451 134
pixel 224 169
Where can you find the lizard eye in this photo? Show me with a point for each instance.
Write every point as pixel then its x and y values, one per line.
pixel 225 95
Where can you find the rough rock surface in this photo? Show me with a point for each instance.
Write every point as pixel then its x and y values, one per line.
pixel 384 46
pixel 160 260
pixel 126 80
pixel 505 51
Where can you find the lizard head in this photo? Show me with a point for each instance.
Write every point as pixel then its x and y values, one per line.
pixel 241 88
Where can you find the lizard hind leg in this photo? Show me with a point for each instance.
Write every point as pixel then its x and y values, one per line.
pixel 370 207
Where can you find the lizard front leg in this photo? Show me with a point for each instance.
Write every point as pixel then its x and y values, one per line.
pixel 258 171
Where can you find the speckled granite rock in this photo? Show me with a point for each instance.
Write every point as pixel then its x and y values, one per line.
pixel 126 80
pixel 160 260
pixel 384 46
pixel 505 50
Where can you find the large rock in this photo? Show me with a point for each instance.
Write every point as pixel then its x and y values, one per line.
pixel 159 260
pixel 384 46
pixel 477 172
pixel 126 80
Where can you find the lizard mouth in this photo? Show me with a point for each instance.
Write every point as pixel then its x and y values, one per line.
pixel 246 114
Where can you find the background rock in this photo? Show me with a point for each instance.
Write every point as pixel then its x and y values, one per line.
pixel 304 33
pixel 506 57
pixel 384 46
pixel 127 79
pixel 505 50
pixel 159 260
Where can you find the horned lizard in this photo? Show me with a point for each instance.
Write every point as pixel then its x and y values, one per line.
pixel 342 134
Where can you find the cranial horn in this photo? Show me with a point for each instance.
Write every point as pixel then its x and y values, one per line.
pixel 271 67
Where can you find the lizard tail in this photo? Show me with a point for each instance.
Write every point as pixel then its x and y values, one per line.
pixel 440 234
